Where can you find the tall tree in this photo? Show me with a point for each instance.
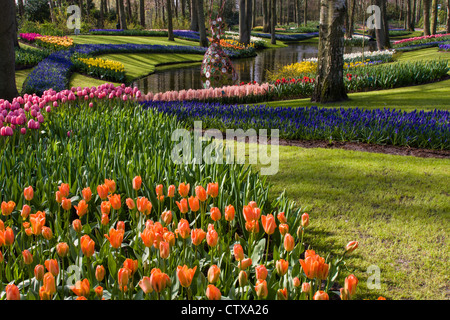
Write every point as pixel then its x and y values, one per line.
pixel 426 17
pixel 142 12
pixel 169 19
pixel 382 34
pixel 273 21
pixel 201 23
pixel 8 89
pixel 305 12
pixel 194 16
pixel 434 17
pixel 266 16
pixel 245 20
pixel 330 82
pixel 122 15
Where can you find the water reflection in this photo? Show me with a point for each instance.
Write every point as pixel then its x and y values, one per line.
pixel 248 70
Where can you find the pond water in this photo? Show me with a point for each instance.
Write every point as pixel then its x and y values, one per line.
pixel 248 69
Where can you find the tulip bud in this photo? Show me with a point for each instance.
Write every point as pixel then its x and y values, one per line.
pixel 27 257
pixel 245 263
pixel 164 249
pixel 47 233
pixel 98 291
pixel 76 224
pixel 261 272
pixel 282 294
pixel 100 273
pixel 62 249
pixel 261 289
pixel 26 209
pixel 39 272
pixel 130 203
pixel 305 220
pixel 12 292
pixel 213 274
pixel 213 293
pixel 306 287
pixel 28 193
pixel 243 278
pixel 296 282
pixel 321 295
pixel 351 246
pixel 289 242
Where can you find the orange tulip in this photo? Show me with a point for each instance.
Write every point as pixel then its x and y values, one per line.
pixel 197 236
pixel 193 204
pixel 159 280
pixel 159 190
pixel 229 213
pixel 28 193
pixel 238 252
pixel 261 272
pixel 321 295
pixel 215 214
pixel 87 194
pixel 171 191
pixel 282 294
pixel 212 237
pixel 288 242
pixel 314 266
pixel 183 229
pixel 351 246
pixel 169 237
pixel 81 298
pixel 39 272
pixel 115 201
pixel 268 223
pixel 185 275
pixel 123 277
pixel 105 219
pixel 242 278
pixel 77 226
pixel 164 250
pixel 98 291
pixel 245 263
pixel 87 246
pixel 252 226
pixel 281 217
pixel 381 298
pixel 131 264
pixel 261 289
pixel 282 267
pixel 102 191
pixel 144 205
pixel 306 287
pixel 115 237
pixel 137 182
pixel 111 184
pixel 130 204
pixel 296 282
pixel 8 207
pixel 81 208
pixel 81 288
pixel 148 237
pixel 37 221
pixel 200 192
pixel 49 287
pixel 213 293
pixel 47 233
pixel 66 204
pixel 213 273
pixel 8 236
pixel 27 257
pixel 183 205
pixel 64 189
pixel 146 285
pixel 183 189
pixel 212 189
pixel 350 285
pixel 26 209
pixel 105 207
pixel 251 213
pixel 100 273
pixel 12 292
pixel 284 228
pixel 305 220
pixel 166 216
pixel 52 266
pixel 58 196
pixel 2 225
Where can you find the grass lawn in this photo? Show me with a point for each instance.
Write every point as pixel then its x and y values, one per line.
pixel 96 39
pixel 21 75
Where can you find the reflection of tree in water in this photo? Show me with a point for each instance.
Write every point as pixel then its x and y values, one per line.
pixel 248 69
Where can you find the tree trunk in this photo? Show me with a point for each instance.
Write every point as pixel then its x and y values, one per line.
pixel 201 24
pixel 434 17
pixel 8 89
pixel 273 22
pixel 330 82
pixel 383 32
pixel 244 32
pixel 142 12
pixel 305 13
pixel 169 19
pixel 122 15
pixel 21 8
pixel 426 17
pixel 249 15
pixel 351 18
pixel 408 14
pixel 194 16
pixel 266 18
pixel 384 15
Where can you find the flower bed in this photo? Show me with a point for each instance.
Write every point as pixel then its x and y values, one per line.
pixel 29 37
pixel 101 68
pixel 54 42
pixel 422 40
pixel 414 129
pixel 133 224
pixel 444 47
pixel 286 37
